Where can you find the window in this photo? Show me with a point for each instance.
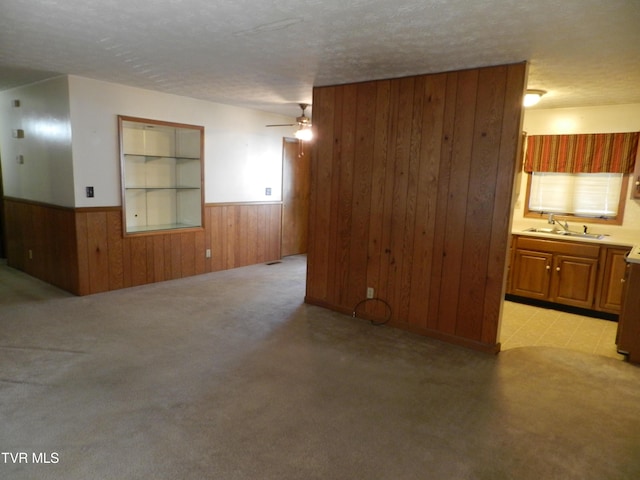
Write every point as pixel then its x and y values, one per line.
pixel 595 197
pixel 582 175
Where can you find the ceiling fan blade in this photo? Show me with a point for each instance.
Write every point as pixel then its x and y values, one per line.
pixel 282 125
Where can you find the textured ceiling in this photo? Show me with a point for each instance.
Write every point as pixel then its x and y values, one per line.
pixel 270 54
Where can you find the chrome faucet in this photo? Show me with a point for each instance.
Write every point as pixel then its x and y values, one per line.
pixel 552 221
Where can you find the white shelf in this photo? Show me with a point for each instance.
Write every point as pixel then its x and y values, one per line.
pixel 161 175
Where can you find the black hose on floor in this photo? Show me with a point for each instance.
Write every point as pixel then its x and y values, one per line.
pixel 373 322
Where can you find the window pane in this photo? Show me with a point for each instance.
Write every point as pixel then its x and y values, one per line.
pixel 597 194
pixel 583 194
pixel 549 192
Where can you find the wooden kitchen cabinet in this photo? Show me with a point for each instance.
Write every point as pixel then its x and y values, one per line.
pixel 555 271
pixel 530 273
pixel 611 283
pixel 628 338
pixel 573 280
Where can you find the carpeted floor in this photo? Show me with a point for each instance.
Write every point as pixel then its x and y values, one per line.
pixel 230 376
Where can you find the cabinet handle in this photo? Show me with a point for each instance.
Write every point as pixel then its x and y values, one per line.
pixel 548 267
pixel 557 269
pixel 622 280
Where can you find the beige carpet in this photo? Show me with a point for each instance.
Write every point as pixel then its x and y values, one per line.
pixel 231 376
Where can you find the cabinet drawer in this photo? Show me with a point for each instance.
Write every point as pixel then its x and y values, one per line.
pixel 555 246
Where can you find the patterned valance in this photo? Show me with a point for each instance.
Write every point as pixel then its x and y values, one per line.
pixel 583 153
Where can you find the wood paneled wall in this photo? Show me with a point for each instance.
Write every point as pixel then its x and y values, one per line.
pixel 83 250
pixel 412 184
pixel 40 241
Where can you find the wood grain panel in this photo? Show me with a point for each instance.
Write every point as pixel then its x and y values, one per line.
pixel 426 204
pixel 156 248
pixel 98 252
pixel 361 199
pixel 458 191
pixel 445 175
pixel 116 250
pixel 107 261
pixel 199 253
pixel 377 251
pixel 41 241
pixel 138 260
pixel 188 249
pixel 344 215
pixel 387 203
pixel 321 195
pixel 509 155
pixel 430 197
pixel 480 201
pixel 273 234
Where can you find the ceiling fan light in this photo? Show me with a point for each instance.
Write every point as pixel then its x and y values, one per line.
pixel 532 97
pixel 304 134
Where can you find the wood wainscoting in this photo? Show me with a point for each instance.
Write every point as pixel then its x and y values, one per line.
pixel 411 195
pixel 83 250
pixel 41 241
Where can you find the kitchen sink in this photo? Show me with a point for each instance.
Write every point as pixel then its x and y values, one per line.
pixel 565 233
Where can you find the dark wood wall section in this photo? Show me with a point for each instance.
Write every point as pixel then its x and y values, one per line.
pixel 411 194
pixel 41 242
pixel 83 250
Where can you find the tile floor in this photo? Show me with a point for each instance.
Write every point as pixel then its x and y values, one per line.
pixel 526 325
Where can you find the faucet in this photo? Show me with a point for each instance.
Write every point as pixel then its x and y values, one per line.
pixel 552 221
pixel 565 226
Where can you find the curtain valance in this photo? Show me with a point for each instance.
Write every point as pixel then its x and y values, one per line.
pixel 582 153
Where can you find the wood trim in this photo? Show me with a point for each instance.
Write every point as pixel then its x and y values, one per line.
pixel 38 203
pixel 226 204
pixel 97 209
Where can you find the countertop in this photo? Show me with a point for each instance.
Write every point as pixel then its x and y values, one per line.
pixel 634 255
pixel 615 240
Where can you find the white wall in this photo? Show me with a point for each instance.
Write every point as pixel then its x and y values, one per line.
pixel 605 119
pixel 242 156
pixel 47 172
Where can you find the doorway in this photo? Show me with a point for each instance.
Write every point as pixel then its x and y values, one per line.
pixel 296 181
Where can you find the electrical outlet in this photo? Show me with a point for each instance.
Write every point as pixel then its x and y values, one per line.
pixel 89 192
pixel 207 253
pixel 267 191
pixel 370 292
pixel 30 254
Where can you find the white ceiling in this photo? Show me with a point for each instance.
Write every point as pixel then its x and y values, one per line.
pixel 270 54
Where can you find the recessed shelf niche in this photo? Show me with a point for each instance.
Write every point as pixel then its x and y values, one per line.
pixel 161 165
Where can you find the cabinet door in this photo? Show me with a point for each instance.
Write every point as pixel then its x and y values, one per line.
pixel 530 275
pixel 574 281
pixel 610 297
pixel 629 324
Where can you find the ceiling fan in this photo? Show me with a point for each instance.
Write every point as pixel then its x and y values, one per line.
pixel 304 131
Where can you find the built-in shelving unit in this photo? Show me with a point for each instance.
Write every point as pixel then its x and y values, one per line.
pixel 161 166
